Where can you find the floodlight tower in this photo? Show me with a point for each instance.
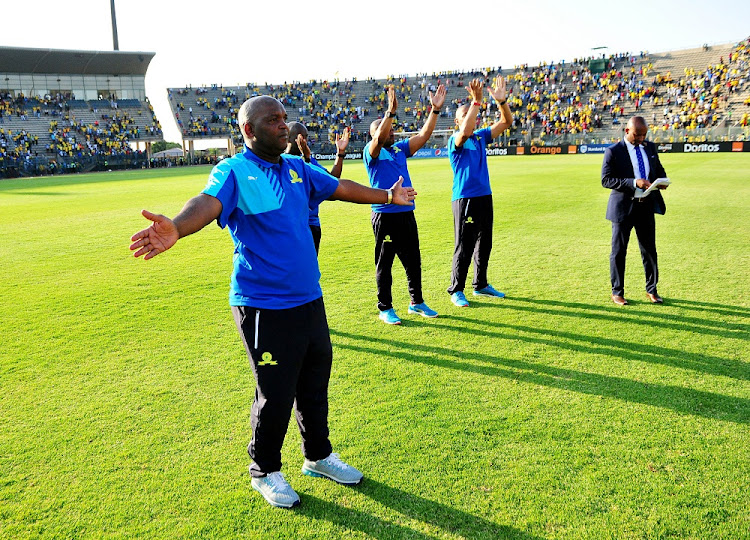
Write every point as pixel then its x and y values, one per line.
pixel 114 25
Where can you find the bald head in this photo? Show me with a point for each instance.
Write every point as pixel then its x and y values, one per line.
pixel 295 130
pixel 377 130
pixel 636 130
pixel 636 122
pixel 253 108
pixel 262 120
pixel 461 112
pixel 374 126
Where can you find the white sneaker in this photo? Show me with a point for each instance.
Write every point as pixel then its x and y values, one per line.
pixel 332 467
pixel 276 490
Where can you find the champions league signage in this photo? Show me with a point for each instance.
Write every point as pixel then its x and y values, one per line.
pixel 332 157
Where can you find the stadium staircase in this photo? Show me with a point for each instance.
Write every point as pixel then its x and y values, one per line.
pixel 82 112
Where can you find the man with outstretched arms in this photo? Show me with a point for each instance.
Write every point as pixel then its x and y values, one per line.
pixel 264 198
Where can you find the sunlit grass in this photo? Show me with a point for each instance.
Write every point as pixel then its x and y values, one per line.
pixel 126 392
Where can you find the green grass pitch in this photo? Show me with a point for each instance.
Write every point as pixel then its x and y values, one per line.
pixel 125 391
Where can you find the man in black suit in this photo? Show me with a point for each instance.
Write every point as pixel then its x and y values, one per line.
pixel 630 166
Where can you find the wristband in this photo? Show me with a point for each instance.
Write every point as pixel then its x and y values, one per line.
pixel 389 114
pixel 477 104
pixel 501 103
pixel 390 196
pixel 341 155
pixel 436 111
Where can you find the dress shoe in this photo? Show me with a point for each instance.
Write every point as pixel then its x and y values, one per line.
pixel 655 298
pixel 619 300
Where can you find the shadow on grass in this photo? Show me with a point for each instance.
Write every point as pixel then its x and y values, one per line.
pixel 664 319
pixel 679 399
pixel 446 518
pixel 625 350
pixel 695 305
pixel 723 309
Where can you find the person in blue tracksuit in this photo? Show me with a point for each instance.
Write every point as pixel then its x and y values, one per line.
pixel 298 146
pixel 395 227
pixel 264 200
pixel 472 195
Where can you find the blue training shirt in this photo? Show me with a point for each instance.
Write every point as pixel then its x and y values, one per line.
pixel 385 170
pixel 471 177
pixel 266 207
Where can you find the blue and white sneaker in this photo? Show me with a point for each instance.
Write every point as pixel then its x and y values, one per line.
pixel 332 467
pixel 389 317
pixel 489 290
pixel 459 299
pixel 275 490
pixel 423 310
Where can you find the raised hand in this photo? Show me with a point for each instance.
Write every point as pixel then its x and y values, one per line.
pixel 475 90
pixel 158 238
pixel 498 91
pixel 403 196
pixel 303 147
pixel 343 141
pixel 439 98
pixel 392 101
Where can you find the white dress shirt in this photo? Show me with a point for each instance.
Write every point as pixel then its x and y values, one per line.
pixel 634 161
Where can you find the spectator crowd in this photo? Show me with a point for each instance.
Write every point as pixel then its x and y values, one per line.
pixel 549 101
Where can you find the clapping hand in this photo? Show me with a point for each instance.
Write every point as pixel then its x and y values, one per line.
pixel 475 90
pixel 438 99
pixel 303 147
pixel 343 141
pixel 498 91
pixel 392 101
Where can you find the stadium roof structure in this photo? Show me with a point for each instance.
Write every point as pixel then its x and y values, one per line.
pixel 23 60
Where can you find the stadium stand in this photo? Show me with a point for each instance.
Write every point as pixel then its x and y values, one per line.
pixel 690 94
pixel 66 111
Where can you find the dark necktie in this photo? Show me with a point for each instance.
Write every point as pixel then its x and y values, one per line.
pixel 641 165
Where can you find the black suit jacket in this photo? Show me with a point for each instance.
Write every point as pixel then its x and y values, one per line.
pixel 618 175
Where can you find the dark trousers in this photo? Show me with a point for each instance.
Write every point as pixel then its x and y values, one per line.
pixel 472 224
pixel 642 219
pixel 396 235
pixel 316 234
pixel 290 355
